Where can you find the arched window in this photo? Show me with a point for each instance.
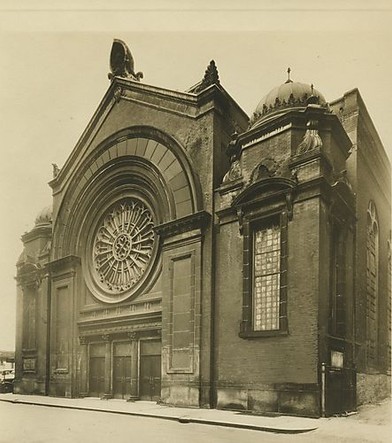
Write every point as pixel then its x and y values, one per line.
pixel 372 246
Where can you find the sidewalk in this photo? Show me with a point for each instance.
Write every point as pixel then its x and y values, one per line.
pixel 280 424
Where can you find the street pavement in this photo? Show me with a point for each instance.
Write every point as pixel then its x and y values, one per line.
pixel 279 424
pixel 38 419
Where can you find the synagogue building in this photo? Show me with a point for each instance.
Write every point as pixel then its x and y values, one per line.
pixel 198 257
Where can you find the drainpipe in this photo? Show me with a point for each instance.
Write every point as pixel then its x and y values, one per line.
pixel 48 327
pixel 323 388
pixel 354 315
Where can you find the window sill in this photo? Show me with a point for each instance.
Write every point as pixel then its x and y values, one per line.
pixel 260 334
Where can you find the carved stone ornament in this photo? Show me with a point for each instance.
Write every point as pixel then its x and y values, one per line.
pixel 56 170
pixel 311 139
pixel 132 335
pixel 29 275
pixel 123 245
pixel 233 152
pixel 267 168
pixel 211 77
pixel 342 177
pixel 83 340
pixel 122 63
pixel 118 93
pixel 234 173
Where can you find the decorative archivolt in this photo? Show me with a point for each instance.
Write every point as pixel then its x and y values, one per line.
pixel 152 159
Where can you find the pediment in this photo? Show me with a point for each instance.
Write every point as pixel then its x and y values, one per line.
pixel 263 188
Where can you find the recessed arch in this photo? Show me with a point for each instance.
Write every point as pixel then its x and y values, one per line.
pixel 133 145
pixel 138 168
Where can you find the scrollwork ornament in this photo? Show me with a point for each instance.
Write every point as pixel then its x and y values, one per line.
pixel 311 140
pixel 234 173
pixel 132 335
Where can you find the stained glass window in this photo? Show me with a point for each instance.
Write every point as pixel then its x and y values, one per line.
pixel 266 278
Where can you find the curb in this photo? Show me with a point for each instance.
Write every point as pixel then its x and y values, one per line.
pixel 179 419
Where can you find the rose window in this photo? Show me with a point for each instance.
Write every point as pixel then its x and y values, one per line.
pixel 123 245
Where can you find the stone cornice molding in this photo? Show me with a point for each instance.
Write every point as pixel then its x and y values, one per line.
pixel 199 220
pixel 37 232
pixel 68 263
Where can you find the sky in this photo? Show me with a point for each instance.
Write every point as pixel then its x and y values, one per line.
pixel 54 61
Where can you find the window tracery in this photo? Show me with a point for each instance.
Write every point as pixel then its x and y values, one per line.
pixel 123 245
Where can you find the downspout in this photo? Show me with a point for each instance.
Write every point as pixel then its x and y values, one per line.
pixel 213 391
pixel 48 327
pixel 323 389
pixel 354 314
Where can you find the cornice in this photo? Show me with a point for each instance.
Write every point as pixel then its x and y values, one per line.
pixel 65 263
pixel 307 157
pixel 199 220
pixel 164 93
pixel 118 90
pixel 37 232
pixel 268 187
pixel 112 325
pixel 296 119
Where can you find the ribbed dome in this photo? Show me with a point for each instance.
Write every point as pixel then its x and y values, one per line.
pixel 44 217
pixel 288 95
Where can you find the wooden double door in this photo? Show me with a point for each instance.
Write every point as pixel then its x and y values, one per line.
pixel 135 370
pixel 123 373
pixel 150 370
pixel 97 377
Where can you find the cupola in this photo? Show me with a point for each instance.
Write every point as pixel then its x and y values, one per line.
pixel 289 95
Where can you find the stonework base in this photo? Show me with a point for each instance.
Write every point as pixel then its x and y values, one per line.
pixel 292 401
pixel 372 388
pixel 29 387
pixel 180 396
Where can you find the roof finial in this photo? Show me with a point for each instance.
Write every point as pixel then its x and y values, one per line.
pixel 288 76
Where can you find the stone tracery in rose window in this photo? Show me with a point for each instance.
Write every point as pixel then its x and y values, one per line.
pixel 123 245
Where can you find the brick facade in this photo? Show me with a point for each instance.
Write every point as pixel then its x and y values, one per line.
pixel 170 316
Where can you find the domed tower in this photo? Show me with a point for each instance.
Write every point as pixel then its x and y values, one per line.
pixel 286 208
pixel 289 95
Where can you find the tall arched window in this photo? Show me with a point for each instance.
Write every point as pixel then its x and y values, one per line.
pixel 372 245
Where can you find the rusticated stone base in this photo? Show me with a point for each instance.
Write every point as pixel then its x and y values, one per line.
pixel 372 388
pixel 293 399
pixel 180 396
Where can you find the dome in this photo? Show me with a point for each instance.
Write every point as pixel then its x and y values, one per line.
pixel 288 95
pixel 44 217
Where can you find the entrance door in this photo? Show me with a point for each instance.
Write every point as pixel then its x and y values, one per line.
pixel 97 370
pixel 97 376
pixel 121 377
pixel 122 369
pixel 150 370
